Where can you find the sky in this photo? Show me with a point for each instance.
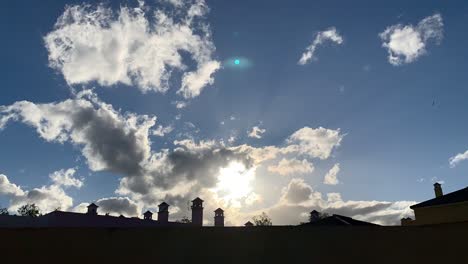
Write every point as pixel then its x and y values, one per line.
pixel 254 106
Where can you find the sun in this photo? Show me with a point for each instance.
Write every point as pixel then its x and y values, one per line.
pixel 234 182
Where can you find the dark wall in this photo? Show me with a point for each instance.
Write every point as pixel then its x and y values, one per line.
pixel 437 244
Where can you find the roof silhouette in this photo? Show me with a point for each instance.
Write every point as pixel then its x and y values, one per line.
pixel 449 198
pixel 197 200
pixel 340 220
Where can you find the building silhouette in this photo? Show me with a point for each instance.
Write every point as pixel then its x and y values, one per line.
pixel 148 215
pixel 163 212
pixel 219 217
pixel 93 219
pixel 448 208
pixel 248 224
pixel 197 212
pixel 92 209
pixel 334 220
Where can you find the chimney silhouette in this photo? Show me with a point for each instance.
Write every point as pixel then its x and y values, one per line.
pixel 219 217
pixel 163 213
pixel 314 216
pixel 438 190
pixel 92 209
pixel 197 212
pixel 148 215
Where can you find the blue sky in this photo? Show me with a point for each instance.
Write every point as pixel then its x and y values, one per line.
pixel 397 125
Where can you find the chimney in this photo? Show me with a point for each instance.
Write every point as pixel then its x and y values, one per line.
pixel 163 213
pixel 438 190
pixel 92 209
pixel 197 212
pixel 219 217
pixel 148 215
pixel 314 216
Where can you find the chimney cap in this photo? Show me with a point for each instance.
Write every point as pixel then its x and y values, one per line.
pixel 248 223
pixel 92 205
pixel 219 210
pixel 437 184
pixel 148 213
pixel 163 204
pixel 197 200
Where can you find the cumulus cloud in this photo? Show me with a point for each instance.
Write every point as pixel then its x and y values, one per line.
pixel 65 178
pixel 299 198
pixel 321 37
pixel 453 161
pixel 134 46
pixel 47 198
pixel 406 43
pixel 317 143
pixel 330 177
pixel 297 191
pixel 292 166
pixel 9 189
pixel 111 140
pixel 114 206
pixel 256 132
pixel 108 139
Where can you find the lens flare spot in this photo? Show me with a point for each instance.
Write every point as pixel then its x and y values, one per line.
pixel 236 61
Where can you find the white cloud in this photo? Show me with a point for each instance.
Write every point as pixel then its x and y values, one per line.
pixel 453 161
pixel 406 43
pixel 134 46
pixel 256 132
pixel 114 206
pixel 180 104
pixel 292 166
pixel 47 198
pixel 330 34
pixel 296 192
pixel 298 199
pixel 9 189
pixel 120 143
pixel 330 177
pixel 160 131
pixel 108 139
pixel 65 178
pixel 317 143
pixel 119 206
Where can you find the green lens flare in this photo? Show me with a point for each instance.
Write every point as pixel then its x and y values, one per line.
pixel 237 61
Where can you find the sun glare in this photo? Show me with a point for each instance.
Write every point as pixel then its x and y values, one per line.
pixel 234 182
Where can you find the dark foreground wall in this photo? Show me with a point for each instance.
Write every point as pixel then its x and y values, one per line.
pixel 439 244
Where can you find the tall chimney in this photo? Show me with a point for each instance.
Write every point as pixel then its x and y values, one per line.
pixel 163 212
pixel 438 189
pixel 219 217
pixel 197 212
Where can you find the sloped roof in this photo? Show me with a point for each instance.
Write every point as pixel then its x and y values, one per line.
pixel 163 204
pixel 93 205
pixel 340 220
pixel 197 200
pixel 449 198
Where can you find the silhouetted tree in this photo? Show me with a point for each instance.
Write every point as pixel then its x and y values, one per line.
pixel 29 210
pixel 184 220
pixel 262 220
pixel 4 211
